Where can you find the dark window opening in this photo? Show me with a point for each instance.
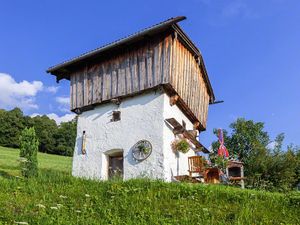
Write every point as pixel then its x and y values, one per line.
pixel 234 172
pixel 116 116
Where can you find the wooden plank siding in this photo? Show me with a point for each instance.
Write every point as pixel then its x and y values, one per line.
pixel 132 71
pixel 158 61
pixel 187 80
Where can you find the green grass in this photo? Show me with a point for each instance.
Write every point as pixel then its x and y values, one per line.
pixel 57 198
pixel 9 164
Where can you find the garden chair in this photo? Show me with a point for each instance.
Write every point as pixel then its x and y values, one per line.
pixel 196 165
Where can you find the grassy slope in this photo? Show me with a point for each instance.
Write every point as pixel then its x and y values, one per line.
pixel 76 201
pixel 9 165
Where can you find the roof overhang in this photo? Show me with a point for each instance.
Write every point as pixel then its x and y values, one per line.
pixel 138 36
pixel 63 70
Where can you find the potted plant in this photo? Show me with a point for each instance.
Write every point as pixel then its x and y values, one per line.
pixel 181 145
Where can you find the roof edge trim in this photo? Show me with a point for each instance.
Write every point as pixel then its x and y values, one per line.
pixel 121 41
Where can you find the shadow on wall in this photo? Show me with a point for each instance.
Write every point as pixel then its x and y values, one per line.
pixel 146 170
pixel 132 161
pixel 169 126
pixel 101 111
pixel 107 107
pixel 178 164
pixel 78 146
pixel 142 101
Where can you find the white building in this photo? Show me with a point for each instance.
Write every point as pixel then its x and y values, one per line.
pixel 133 98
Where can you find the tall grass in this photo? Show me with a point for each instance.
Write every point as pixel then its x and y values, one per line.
pixel 57 198
pixel 54 197
pixel 9 164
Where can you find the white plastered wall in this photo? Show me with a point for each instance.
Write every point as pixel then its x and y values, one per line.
pixel 142 117
pixel 174 163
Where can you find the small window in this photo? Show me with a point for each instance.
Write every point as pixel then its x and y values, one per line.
pixel 116 116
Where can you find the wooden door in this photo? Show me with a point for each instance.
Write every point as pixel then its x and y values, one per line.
pixel 115 169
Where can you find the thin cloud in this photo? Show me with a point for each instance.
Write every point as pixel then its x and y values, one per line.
pixel 64 104
pixel 238 8
pixel 63 100
pixel 51 89
pixel 18 94
pixel 58 119
pixel 64 109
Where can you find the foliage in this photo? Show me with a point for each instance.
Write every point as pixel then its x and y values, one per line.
pixel 10 156
pixel 57 198
pixel 65 137
pixel 219 162
pixel 265 168
pixel 54 197
pixel 28 152
pixel 181 145
pixel 53 138
pixel 144 149
pixel 297 171
pixel 11 125
pixel 45 128
pixel 247 136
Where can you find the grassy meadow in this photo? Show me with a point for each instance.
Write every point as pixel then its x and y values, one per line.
pixel 9 165
pixel 55 197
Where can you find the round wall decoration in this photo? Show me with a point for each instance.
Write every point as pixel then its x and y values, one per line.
pixel 141 150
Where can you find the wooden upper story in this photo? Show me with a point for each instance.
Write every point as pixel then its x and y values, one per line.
pixel 161 56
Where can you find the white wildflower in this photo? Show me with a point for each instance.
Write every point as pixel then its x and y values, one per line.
pixel 87 195
pixel 41 206
pixel 78 211
pixel 21 223
pixel 54 207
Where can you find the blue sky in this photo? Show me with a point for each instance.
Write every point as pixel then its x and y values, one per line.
pixel 251 50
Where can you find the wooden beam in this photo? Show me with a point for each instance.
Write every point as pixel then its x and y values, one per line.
pixel 196 125
pixel 169 89
pixel 177 127
pixel 116 101
pixel 193 133
pixel 190 135
pixel 174 99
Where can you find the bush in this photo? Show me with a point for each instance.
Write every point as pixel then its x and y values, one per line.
pixel 29 145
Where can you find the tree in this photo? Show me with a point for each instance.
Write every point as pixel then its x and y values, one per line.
pixel 53 139
pixel 297 170
pixel 248 141
pixel 45 129
pixel 264 167
pixel 28 152
pixel 11 125
pixel 65 138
